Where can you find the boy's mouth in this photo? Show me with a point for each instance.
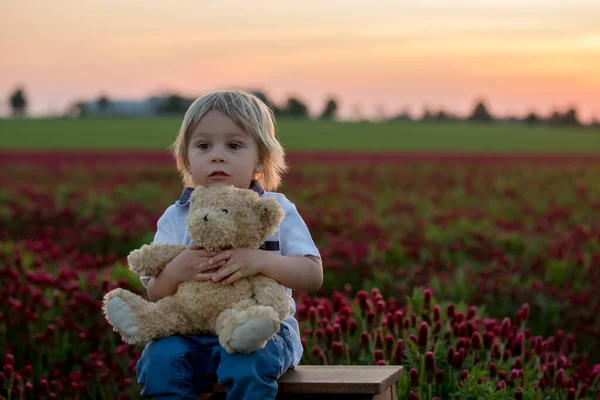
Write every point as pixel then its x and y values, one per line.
pixel 218 173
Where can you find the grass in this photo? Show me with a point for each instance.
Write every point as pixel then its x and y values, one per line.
pixel 158 133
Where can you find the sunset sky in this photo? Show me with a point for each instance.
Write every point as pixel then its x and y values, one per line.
pixel 375 56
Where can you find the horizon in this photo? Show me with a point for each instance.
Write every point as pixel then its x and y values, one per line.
pixel 382 58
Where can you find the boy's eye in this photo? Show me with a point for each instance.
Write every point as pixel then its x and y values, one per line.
pixel 235 146
pixel 203 145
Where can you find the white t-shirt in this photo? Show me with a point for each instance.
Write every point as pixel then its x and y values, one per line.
pixel 292 238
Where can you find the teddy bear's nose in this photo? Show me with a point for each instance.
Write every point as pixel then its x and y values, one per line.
pixel 205 218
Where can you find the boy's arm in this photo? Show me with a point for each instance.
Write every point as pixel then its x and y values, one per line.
pixel 299 266
pixel 190 264
pixel 301 273
pixel 165 284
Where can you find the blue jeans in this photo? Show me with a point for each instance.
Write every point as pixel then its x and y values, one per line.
pixel 181 367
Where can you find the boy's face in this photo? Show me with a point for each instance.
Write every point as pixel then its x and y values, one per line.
pixel 221 153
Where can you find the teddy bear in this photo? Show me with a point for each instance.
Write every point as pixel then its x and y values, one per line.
pixel 244 315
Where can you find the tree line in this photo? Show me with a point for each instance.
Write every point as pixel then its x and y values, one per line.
pixel 175 104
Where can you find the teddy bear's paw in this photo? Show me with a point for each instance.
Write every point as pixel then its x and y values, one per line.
pixel 253 334
pixel 122 317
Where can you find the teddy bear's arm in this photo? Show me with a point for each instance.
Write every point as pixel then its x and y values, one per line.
pixel 268 292
pixel 150 259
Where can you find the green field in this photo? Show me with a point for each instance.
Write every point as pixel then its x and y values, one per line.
pixel 158 133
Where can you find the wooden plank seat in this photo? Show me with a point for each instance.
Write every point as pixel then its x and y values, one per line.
pixel 317 382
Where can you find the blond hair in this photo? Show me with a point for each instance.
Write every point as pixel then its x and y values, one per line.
pixel 252 115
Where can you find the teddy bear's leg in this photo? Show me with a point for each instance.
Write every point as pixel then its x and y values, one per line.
pixel 244 328
pixel 268 292
pixel 138 320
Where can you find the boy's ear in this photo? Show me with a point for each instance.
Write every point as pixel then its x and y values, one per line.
pixel 270 214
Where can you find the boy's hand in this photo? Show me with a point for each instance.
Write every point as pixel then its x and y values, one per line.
pixel 238 263
pixel 191 264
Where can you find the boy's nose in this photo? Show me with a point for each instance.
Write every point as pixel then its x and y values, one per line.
pixel 217 159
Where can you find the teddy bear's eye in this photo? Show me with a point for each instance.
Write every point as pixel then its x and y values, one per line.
pixel 225 211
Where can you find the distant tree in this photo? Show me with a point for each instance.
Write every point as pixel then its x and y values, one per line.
pixel 174 104
pixel 265 99
pixel 532 119
pixel 18 103
pixel 570 118
pixel 555 118
pixel 330 110
pixel 103 104
pixel 480 113
pixel 442 116
pixel 428 115
pixel 403 116
pixel 296 108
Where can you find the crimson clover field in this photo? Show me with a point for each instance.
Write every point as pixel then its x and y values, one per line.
pixel 479 274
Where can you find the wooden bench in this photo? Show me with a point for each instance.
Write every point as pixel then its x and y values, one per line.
pixel 346 382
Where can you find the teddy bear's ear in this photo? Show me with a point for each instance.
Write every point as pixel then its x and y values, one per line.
pixel 270 215
pixel 198 193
